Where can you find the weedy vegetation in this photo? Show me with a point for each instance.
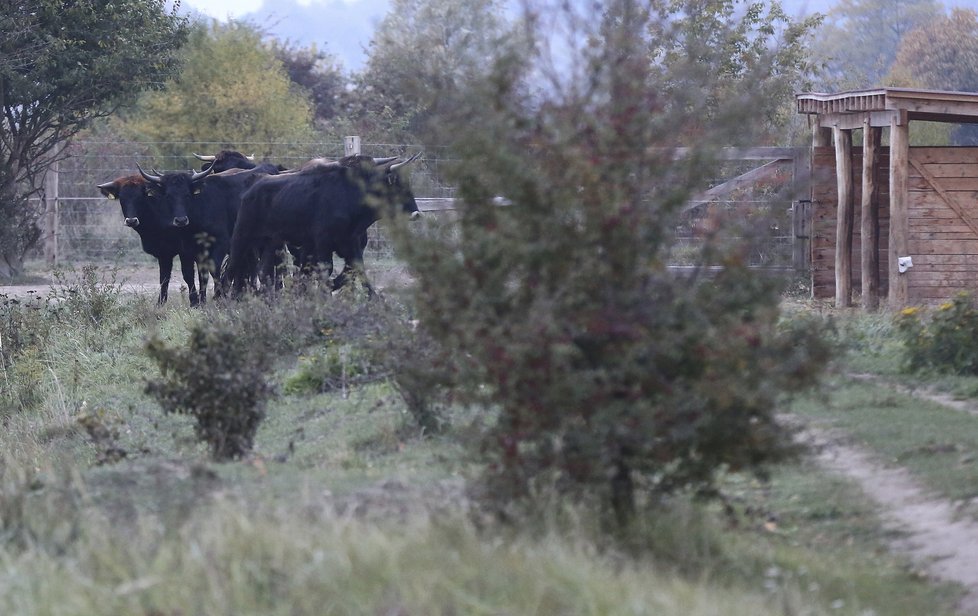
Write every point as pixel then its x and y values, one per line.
pixel 543 420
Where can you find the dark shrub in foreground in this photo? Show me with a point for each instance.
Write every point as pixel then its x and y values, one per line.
pixel 616 380
pixel 219 380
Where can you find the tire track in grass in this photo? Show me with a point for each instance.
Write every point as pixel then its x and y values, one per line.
pixel 935 536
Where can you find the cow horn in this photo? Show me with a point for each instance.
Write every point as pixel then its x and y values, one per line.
pixel 401 164
pixel 149 178
pixel 384 161
pixel 199 175
pixel 206 159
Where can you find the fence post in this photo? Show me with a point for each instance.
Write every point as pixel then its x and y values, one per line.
pixel 801 230
pixel 51 215
pixel 351 146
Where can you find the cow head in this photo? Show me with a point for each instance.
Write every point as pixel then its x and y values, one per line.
pixel 226 159
pixel 389 187
pixel 173 192
pixel 140 209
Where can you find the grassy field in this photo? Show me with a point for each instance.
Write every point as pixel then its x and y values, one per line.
pixel 110 506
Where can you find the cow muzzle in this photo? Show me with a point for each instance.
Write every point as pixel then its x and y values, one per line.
pixel 181 221
pixel 415 215
pixel 132 222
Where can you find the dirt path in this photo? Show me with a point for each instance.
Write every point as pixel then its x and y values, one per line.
pixel 936 537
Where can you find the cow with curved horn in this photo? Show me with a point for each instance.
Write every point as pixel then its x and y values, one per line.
pixel 325 207
pixel 226 159
pixel 159 235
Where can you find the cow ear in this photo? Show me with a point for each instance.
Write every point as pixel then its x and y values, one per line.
pixel 109 190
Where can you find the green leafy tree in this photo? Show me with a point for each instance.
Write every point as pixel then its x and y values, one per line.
pixel 615 379
pixel 423 53
pixel 232 91
pixel 725 43
pixel 317 73
pixel 859 42
pixel 62 65
pixel 942 54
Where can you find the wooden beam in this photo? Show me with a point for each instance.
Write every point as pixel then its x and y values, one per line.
pixel 852 121
pixel 869 222
pixel 844 218
pixel 899 222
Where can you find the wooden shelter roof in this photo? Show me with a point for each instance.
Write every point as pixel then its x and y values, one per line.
pixel 849 110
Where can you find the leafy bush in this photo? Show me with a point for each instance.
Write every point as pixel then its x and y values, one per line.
pixel 615 379
pixel 328 368
pixel 220 380
pixel 421 371
pixel 944 339
pixel 24 327
pixel 91 296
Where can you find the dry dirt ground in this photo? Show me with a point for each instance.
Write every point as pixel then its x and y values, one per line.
pixel 937 537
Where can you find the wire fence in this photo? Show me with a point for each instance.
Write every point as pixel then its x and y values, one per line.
pixel 87 227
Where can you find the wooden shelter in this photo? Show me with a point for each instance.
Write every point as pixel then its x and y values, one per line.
pixel 917 207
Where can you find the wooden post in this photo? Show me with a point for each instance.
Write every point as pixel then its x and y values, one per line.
pixel 899 204
pixel 821 138
pixel 51 215
pixel 869 227
pixel 844 218
pixel 801 247
pixel 351 146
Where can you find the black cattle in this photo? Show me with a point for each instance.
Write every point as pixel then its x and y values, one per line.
pixel 325 207
pixel 159 232
pixel 211 202
pixel 226 159
pixel 230 159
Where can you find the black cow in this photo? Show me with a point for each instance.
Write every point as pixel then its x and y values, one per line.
pixel 211 202
pixel 162 235
pixel 231 159
pixel 226 159
pixel 325 207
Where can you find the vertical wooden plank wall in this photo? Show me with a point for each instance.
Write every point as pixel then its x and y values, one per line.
pixel 942 243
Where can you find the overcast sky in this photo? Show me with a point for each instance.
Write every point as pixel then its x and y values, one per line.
pixel 341 27
pixel 222 9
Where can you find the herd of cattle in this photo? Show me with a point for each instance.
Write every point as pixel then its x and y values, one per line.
pixel 234 219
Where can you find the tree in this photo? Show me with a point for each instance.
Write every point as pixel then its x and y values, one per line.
pixel 725 44
pixel 317 73
pixel 421 55
pixel 62 65
pixel 943 55
pixel 860 40
pixel 613 379
pixel 231 92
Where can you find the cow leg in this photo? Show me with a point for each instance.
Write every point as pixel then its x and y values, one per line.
pixel 267 260
pixel 187 269
pixel 219 252
pixel 353 267
pixel 203 279
pixel 166 267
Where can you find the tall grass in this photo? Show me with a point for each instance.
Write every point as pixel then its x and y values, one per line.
pixel 346 506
